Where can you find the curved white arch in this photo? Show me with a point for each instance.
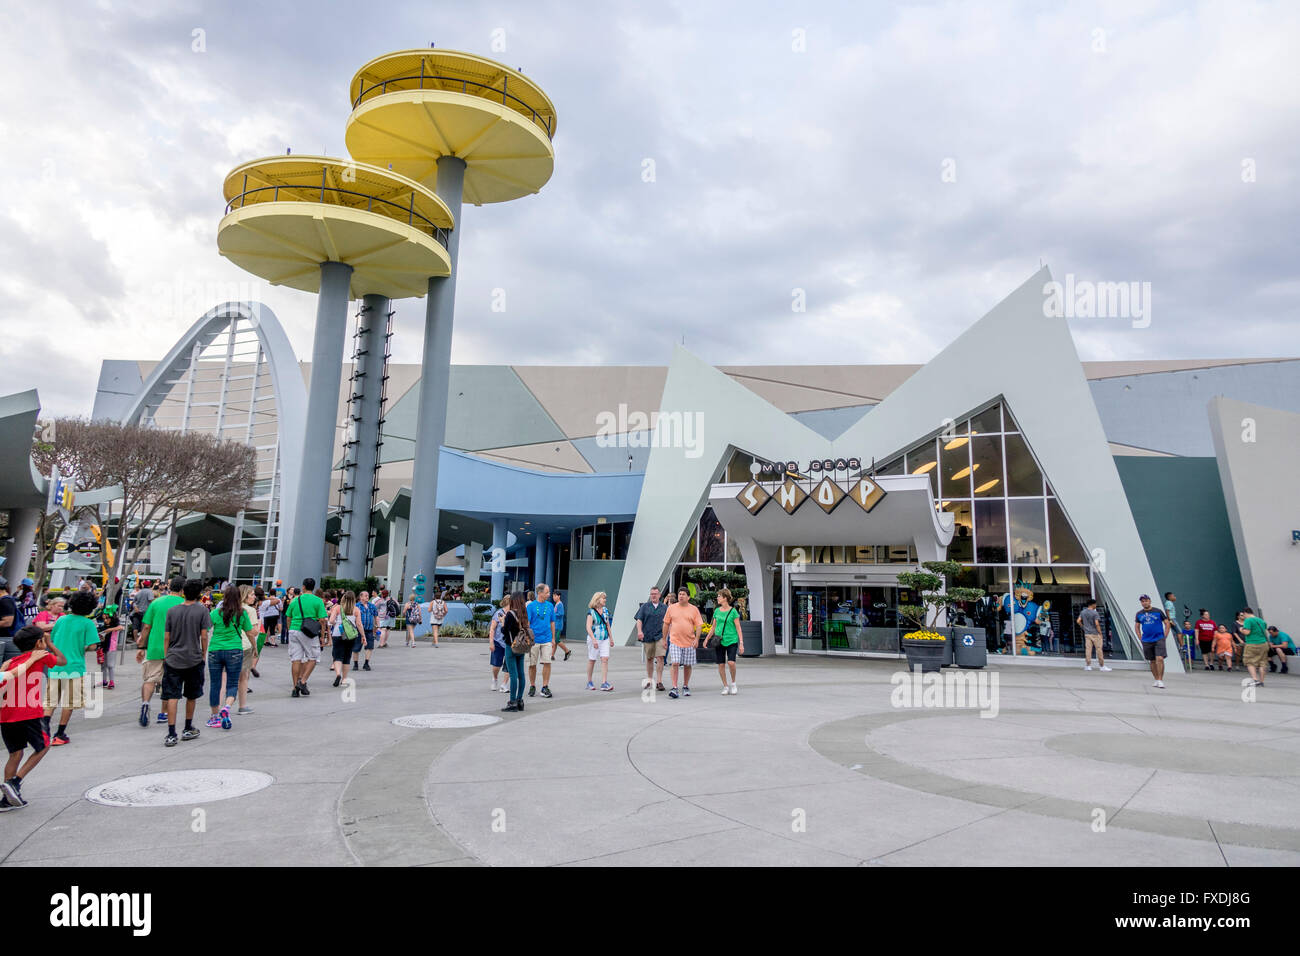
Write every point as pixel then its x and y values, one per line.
pixel 286 383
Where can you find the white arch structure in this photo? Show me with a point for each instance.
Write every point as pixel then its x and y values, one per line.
pixel 273 351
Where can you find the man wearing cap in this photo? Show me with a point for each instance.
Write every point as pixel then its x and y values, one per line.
pixel 1153 628
pixel 8 623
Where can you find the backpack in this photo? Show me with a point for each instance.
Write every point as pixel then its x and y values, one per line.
pixel 349 628
pixel 393 611
pixel 414 616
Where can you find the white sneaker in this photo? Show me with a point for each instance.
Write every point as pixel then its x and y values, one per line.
pixel 1087 667
pixel 735 689
pixel 1160 683
pixel 725 690
pixel 1104 667
pixel 494 686
pixel 504 688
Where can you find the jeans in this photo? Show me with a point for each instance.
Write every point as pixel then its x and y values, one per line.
pixel 229 661
pixel 515 668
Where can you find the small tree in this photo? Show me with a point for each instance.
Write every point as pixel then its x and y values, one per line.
pixel 713 580
pixel 929 586
pixel 480 605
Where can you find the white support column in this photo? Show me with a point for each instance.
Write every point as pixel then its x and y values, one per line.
pixel 397 556
pixel 473 561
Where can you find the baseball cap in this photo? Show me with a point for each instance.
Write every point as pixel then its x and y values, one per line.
pixel 1145 597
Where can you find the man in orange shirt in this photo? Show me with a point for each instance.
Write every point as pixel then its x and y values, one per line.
pixel 683 623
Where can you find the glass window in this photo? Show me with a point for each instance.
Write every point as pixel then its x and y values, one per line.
pixel 622 537
pixel 733 553
pixel 894 467
pixel 986 460
pixel 1028 519
pixel 738 467
pixel 991 531
pixel 987 422
pixel 1023 476
pixel 860 555
pixel 922 461
pixel 1066 548
pixel 688 555
pixel 711 548
pixel 962 547
pixel 955 466
pixel 1009 421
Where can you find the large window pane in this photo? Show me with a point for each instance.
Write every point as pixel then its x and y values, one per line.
pixel 986 455
pixel 1028 530
pixel 987 422
pixel 894 467
pixel 1066 548
pixel 954 466
pixel 1023 476
pixel 622 538
pixel 711 549
pixel 922 461
pixel 991 531
pixel 962 547
pixel 733 553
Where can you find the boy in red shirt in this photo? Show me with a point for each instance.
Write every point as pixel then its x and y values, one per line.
pixel 1205 629
pixel 22 713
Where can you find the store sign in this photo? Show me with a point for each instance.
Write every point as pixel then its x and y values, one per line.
pixel 826 493
pixel 814 467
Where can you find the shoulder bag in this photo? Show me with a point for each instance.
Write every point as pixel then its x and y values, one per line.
pixel 309 626
pixel 523 641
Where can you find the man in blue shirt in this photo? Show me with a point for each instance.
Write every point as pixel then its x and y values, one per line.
pixel 368 616
pixel 1153 628
pixel 558 613
pixel 541 621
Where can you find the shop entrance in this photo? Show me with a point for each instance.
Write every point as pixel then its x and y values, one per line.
pixel 845 614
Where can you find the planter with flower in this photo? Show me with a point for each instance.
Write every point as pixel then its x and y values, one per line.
pixel 925 647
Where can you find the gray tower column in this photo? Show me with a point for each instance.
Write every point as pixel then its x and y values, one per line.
pixel 367 395
pixel 498 547
pixel 548 565
pixel 306 556
pixel 539 560
pixel 23 523
pixel 431 420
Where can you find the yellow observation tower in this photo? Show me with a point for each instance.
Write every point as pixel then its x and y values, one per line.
pixel 428 129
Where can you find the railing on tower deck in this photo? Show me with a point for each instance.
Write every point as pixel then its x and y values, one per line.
pixel 386 207
pixel 422 80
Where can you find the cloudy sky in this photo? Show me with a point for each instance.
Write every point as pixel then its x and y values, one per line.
pixel 905 166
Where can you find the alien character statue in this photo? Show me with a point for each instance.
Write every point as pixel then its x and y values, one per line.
pixel 1020 606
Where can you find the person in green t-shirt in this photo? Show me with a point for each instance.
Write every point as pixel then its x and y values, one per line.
pixel 231 624
pixel 151 654
pixel 73 633
pixel 304 651
pixel 726 627
pixel 1254 634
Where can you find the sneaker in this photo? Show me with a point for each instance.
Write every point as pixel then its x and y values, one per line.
pixel 1160 683
pixel 606 686
pixel 245 710
pixel 546 692
pixel 1087 667
pixel 673 693
pixel 297 691
pixel 214 721
pixel 686 691
pixel 337 678
pixel 162 717
pixel 532 691
pixel 366 666
pixel 190 734
pixel 505 687
pixel 10 789
pixel 509 708
pixel 225 718
pixel 16 804
pixel 726 689
pixel 5 805
pixel 519 704
pixel 303 688
pixel 144 715
pixel 735 689
pixel 659 686
pixel 253 671
pixel 495 686
pixel 171 740
pixel 1104 667
pixel 58 740
pixel 567 654
pixel 590 686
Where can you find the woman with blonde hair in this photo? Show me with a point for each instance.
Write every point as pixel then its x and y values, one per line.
pixel 345 630
pixel 252 647
pixel 598 623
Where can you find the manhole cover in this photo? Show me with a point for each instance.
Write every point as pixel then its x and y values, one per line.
pixel 178 788
pixel 444 721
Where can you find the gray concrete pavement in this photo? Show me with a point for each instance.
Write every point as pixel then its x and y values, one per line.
pixel 811 763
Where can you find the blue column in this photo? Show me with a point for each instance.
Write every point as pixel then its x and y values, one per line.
pixel 539 559
pixel 548 573
pixel 498 548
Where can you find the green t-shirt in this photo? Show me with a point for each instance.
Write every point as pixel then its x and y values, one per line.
pixel 726 624
pixel 1256 631
pixel 72 634
pixel 305 606
pixel 1282 637
pixel 155 618
pixel 227 637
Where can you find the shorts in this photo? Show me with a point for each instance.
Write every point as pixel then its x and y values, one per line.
pixel 1153 649
pixel 1092 642
pixel 65 692
pixel 541 653
pixel 598 649
pixel 248 659
pixel 1279 650
pixel 152 672
pixel 181 682
pixel 652 649
pixel 1207 648
pixel 1255 655
pixel 343 649
pixel 498 654
pixel 681 655
pixel 370 640
pixel 726 652
pixel 302 647
pixel 21 734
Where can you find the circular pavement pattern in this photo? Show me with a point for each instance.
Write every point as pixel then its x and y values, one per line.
pixel 178 788
pixel 445 721
pixel 1178 753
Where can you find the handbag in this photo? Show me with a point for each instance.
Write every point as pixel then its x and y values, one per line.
pixel 523 642
pixel 714 639
pixel 309 626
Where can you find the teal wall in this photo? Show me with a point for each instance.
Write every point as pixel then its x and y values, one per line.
pixel 585 579
pixel 1181 516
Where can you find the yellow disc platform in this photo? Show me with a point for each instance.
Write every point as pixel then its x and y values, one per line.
pixel 286 215
pixel 412 107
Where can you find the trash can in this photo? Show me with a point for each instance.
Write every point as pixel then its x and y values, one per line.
pixel 752 632
pixel 969 648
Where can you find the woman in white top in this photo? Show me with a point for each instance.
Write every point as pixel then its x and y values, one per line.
pixel 345 645
pixel 437 614
pixel 269 611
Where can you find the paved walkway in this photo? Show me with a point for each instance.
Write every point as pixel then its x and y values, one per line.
pixel 811 763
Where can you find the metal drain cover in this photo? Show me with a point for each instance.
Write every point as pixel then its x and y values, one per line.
pixel 175 788
pixel 445 721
